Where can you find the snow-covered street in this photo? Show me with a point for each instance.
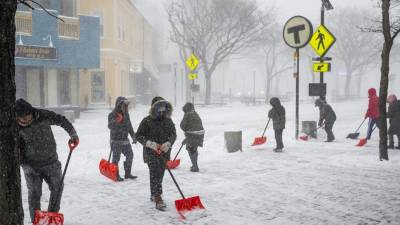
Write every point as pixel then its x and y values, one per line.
pixel 309 183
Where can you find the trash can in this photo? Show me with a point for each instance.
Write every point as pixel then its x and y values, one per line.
pixel 233 141
pixel 309 128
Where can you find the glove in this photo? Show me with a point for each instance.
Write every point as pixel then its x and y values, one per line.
pixel 119 118
pixel 152 145
pixel 165 147
pixel 73 142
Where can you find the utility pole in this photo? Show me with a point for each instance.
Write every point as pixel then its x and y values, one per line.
pixel 175 65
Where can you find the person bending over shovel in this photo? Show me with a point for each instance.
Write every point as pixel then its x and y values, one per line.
pixel 277 114
pixel 192 125
pixel 157 134
pixel 120 126
pixel 327 118
pixel 39 158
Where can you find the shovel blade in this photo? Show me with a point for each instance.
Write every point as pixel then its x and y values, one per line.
pixel 362 142
pixel 48 218
pixel 188 204
pixel 303 138
pixel 172 164
pixel 259 141
pixel 108 169
pixel 353 135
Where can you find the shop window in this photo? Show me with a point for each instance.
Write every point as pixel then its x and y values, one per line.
pixel 64 87
pixel 98 87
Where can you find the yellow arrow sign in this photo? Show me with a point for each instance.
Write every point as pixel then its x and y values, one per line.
pixel 322 67
pixel 192 76
pixel 192 62
pixel 322 40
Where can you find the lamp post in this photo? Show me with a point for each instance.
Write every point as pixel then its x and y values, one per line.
pixel 175 65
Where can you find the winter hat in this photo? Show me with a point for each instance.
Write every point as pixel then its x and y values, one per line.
pixel 391 98
pixel 119 102
pixel 156 99
pixel 23 108
pixel 372 92
pixel 319 102
pixel 188 107
pixel 275 102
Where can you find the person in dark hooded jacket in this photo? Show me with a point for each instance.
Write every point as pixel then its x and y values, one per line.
pixel 372 112
pixel 120 127
pixel 192 125
pixel 38 151
pixel 157 134
pixel 394 119
pixel 327 118
pixel 278 116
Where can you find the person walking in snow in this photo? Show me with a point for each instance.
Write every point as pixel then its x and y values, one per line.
pixel 278 116
pixel 372 112
pixel 157 134
pixel 120 127
pixel 327 118
pixel 192 126
pixel 394 119
pixel 38 151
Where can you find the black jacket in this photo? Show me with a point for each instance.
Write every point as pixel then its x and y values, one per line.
pixel 159 130
pixel 394 118
pixel 192 125
pixel 277 114
pixel 326 113
pixel 36 141
pixel 119 131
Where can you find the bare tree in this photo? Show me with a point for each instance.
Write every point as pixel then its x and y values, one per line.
pixel 216 29
pixel 357 50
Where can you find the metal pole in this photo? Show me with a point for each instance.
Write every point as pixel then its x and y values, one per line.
pixel 254 86
pixel 182 85
pixel 321 75
pixel 297 56
pixel 175 85
pixel 192 87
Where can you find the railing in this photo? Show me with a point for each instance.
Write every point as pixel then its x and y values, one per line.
pixel 69 29
pixel 23 22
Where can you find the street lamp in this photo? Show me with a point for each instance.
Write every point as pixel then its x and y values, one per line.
pixel 50 41
pixel 327 4
pixel 175 65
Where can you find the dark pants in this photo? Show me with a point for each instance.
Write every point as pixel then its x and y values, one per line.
pixel 278 138
pixel 391 140
pixel 193 154
pixel 156 171
pixel 128 153
pixel 371 124
pixel 329 132
pixel 51 174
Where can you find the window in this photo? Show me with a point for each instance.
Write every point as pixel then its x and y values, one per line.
pixel 98 87
pixel 68 8
pixel 100 14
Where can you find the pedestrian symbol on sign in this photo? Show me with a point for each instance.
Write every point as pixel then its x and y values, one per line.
pixel 322 40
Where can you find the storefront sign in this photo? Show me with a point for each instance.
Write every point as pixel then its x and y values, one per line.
pixel 35 52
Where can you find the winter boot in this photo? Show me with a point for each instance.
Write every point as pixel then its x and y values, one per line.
pixel 160 205
pixel 278 150
pixel 391 145
pixel 193 157
pixel 119 178
pixel 194 169
pixel 398 147
pixel 128 174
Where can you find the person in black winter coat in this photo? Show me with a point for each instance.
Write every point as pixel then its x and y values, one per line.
pixel 277 114
pixel 120 127
pixel 192 125
pixel 157 134
pixel 327 118
pixel 394 119
pixel 38 151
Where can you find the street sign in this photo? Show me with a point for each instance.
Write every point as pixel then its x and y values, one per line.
pixel 192 62
pixel 192 76
pixel 322 58
pixel 297 32
pixel 317 89
pixel 322 40
pixel 322 67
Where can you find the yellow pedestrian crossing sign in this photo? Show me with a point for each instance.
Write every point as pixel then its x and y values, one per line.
pixel 192 62
pixel 192 76
pixel 322 67
pixel 322 40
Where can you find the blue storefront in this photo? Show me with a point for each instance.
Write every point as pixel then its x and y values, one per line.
pixel 51 55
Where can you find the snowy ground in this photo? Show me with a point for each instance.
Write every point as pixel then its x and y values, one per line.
pixel 309 183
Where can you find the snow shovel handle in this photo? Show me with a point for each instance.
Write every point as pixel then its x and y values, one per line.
pixel 360 125
pixel 173 178
pixel 109 156
pixel 176 156
pixel 265 129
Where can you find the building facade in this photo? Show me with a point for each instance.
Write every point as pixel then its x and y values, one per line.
pixel 127 65
pixel 52 54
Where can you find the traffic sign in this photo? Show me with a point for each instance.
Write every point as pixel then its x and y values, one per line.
pixel 322 40
pixel 297 32
pixel 322 58
pixel 192 76
pixel 192 62
pixel 322 67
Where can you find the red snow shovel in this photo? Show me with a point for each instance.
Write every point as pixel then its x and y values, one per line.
pixel 185 205
pixel 306 137
pixel 261 140
pixel 363 141
pixel 172 164
pixel 54 218
pixel 109 170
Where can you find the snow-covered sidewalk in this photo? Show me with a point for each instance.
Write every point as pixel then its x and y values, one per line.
pixel 309 183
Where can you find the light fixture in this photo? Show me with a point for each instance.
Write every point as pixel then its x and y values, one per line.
pixel 20 40
pixel 327 4
pixel 50 40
